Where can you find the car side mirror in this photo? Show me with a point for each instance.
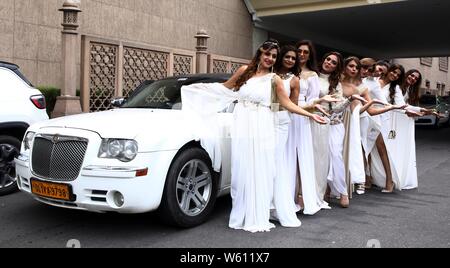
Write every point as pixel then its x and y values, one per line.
pixel 118 102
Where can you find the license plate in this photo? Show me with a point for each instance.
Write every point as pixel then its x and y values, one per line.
pixel 51 190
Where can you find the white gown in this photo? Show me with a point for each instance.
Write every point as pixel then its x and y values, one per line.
pixel 285 208
pixel 337 173
pixel 403 145
pixel 320 138
pixel 300 148
pixel 355 160
pixel 253 146
pixel 377 171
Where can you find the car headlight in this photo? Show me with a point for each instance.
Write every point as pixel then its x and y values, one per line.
pixel 28 140
pixel 123 150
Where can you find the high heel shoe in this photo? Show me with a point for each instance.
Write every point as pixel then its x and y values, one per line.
pixel 360 189
pixel 389 191
pixel 344 201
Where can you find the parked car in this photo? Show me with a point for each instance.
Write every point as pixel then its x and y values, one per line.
pixel 437 103
pixel 21 105
pixel 138 158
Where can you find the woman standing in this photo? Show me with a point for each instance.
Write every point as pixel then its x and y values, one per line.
pixel 383 169
pixel 329 77
pixel 253 133
pixel 301 154
pixel 287 68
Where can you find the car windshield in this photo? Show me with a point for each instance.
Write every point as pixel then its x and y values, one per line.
pixel 428 100
pixel 162 94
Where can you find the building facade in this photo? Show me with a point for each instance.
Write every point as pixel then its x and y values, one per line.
pixel 30 30
pixel 435 75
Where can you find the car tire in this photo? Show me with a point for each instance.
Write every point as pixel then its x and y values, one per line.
pixel 9 149
pixel 190 190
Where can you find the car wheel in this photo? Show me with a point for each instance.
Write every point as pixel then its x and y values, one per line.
pixel 9 149
pixel 190 190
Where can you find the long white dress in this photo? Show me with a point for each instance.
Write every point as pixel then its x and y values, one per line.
pixel 337 173
pixel 285 208
pixel 377 171
pixel 402 145
pixel 355 161
pixel 320 138
pixel 253 146
pixel 300 147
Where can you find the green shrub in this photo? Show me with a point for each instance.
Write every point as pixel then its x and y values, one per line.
pixel 51 93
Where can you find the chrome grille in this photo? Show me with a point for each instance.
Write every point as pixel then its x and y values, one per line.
pixel 58 157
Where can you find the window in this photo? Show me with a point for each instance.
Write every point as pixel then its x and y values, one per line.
pixel 443 64
pixel 438 86
pixel 426 61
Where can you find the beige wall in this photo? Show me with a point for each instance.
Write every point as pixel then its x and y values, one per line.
pixel 30 31
pixel 433 74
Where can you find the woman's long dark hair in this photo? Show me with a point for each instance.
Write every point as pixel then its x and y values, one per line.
pixel 253 66
pixel 335 76
pixel 312 61
pixel 395 83
pixel 279 64
pixel 413 94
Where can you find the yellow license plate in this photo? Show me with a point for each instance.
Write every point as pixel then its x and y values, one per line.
pixel 51 190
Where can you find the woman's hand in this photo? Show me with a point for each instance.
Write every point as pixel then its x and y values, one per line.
pixel 358 97
pixel 398 107
pixel 319 119
pixel 321 109
pixel 329 98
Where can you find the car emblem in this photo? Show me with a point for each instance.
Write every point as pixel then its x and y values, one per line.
pixel 55 139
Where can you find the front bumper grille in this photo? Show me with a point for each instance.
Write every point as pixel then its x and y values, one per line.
pixel 58 158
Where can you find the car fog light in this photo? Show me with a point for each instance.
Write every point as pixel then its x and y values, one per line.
pixel 119 200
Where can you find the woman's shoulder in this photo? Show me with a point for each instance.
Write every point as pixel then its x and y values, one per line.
pixel 308 75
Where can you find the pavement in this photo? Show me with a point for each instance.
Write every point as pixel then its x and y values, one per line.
pixel 414 218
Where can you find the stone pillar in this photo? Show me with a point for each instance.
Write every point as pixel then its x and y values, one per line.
pixel 202 51
pixel 68 103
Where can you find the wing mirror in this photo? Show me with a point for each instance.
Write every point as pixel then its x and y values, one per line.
pixel 118 102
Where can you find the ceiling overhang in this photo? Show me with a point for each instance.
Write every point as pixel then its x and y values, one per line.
pixel 377 28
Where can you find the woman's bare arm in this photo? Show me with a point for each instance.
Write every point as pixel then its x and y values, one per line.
pixel 231 83
pixel 290 106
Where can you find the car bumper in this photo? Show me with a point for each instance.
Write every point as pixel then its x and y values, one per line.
pixel 98 186
pixel 427 120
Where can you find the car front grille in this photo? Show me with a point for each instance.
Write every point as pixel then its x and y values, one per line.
pixel 58 158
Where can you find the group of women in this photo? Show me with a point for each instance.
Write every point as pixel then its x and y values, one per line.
pixel 304 135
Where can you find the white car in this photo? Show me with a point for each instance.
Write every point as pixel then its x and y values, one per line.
pixel 21 105
pixel 135 159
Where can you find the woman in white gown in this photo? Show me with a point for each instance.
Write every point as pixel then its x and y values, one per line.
pixel 329 75
pixel 403 143
pixel 383 169
pixel 301 152
pixel 287 68
pixel 253 133
pixel 347 165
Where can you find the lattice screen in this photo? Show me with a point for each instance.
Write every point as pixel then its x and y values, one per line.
pixel 140 65
pixel 103 66
pixel 182 64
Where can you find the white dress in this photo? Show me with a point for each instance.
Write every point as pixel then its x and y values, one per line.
pixel 337 172
pixel 285 208
pixel 253 146
pixel 320 138
pixel 402 145
pixel 300 147
pixel 377 171
pixel 370 125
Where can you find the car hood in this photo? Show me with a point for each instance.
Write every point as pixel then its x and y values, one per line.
pixel 119 123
